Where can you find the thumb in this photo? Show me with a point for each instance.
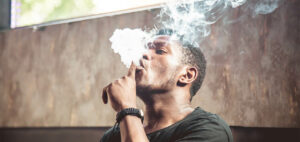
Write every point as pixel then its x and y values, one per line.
pixel 131 71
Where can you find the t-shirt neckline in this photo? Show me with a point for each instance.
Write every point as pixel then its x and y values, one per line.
pixel 157 131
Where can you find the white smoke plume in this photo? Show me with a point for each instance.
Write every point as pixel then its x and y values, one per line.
pixel 129 44
pixel 189 19
pixel 236 3
pixel 266 6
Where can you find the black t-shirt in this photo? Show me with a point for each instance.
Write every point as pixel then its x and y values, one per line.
pixel 198 126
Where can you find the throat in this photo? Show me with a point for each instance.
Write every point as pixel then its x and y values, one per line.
pixel 164 109
pixel 157 119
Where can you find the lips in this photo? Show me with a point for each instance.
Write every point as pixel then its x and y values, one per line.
pixel 140 67
pixel 139 71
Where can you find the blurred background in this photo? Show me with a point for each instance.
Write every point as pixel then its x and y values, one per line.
pixel 55 58
pixel 29 12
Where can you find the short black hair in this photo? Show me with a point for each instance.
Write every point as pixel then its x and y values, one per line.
pixel 193 56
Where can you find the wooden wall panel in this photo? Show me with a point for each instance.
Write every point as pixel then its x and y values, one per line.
pixel 53 76
pixel 253 74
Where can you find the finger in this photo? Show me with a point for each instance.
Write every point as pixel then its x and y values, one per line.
pixel 104 95
pixel 131 71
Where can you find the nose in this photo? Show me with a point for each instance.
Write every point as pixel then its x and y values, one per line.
pixel 146 56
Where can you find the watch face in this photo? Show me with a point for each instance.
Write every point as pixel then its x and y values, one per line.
pixel 142 113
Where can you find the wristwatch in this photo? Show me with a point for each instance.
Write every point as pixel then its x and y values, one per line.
pixel 130 111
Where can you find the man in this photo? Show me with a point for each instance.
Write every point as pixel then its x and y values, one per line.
pixel 170 74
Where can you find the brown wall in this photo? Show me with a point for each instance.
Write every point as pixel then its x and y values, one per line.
pixel 53 76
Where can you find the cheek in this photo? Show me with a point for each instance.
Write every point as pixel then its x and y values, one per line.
pixel 159 68
pixel 160 72
pixel 162 67
pixel 167 65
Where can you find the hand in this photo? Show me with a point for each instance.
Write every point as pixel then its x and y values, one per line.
pixel 122 92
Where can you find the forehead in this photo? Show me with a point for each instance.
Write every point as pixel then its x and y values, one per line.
pixel 159 39
pixel 162 38
pixel 163 41
pixel 173 47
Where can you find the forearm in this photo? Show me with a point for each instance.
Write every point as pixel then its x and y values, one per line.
pixel 132 130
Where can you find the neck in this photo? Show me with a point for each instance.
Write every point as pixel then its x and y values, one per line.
pixel 165 109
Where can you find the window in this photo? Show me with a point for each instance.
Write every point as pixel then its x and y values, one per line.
pixel 31 12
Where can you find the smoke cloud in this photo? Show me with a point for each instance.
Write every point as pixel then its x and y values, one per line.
pixel 266 6
pixel 189 19
pixel 129 44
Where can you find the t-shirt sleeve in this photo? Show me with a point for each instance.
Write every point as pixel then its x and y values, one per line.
pixel 204 131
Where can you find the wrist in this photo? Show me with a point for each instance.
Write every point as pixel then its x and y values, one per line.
pixel 129 111
pixel 125 106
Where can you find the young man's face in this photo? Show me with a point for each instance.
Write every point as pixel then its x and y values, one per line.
pixel 159 66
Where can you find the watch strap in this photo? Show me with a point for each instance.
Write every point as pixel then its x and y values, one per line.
pixel 129 111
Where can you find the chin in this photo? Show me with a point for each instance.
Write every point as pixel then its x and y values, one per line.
pixel 140 85
pixel 143 87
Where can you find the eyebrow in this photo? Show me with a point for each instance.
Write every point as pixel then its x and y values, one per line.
pixel 157 44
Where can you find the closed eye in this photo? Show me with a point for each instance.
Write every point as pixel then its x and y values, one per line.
pixel 160 51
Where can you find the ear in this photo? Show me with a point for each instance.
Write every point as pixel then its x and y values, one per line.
pixel 188 75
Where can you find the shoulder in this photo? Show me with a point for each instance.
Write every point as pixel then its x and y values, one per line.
pixel 112 135
pixel 205 126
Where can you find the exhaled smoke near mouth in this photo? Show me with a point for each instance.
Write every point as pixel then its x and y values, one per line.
pixel 189 19
pixel 129 44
